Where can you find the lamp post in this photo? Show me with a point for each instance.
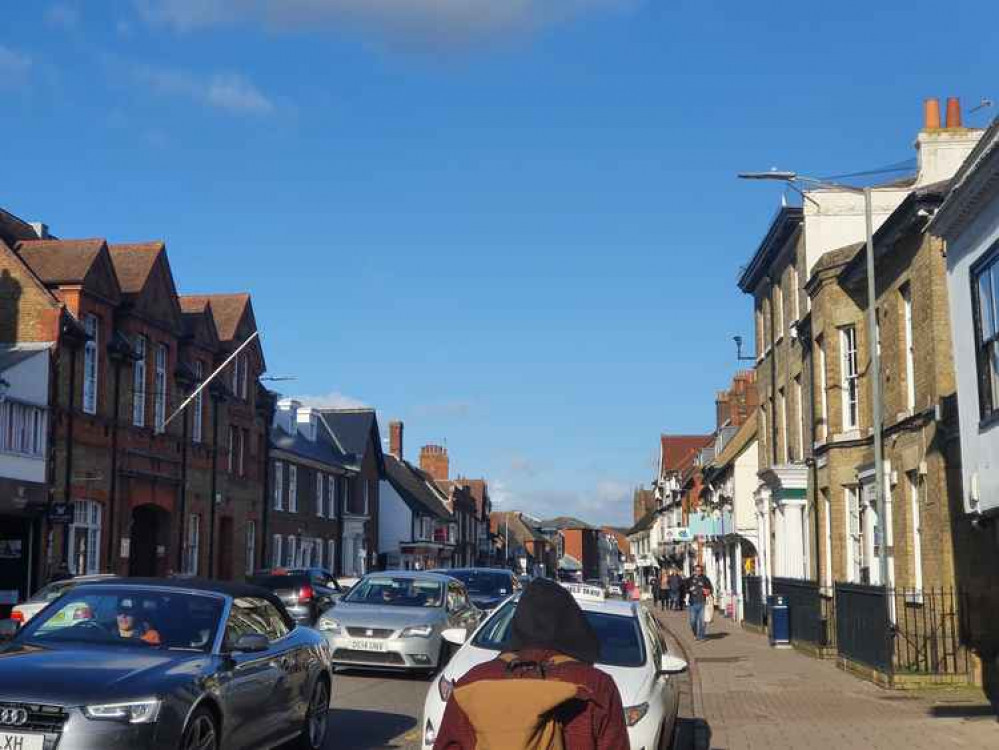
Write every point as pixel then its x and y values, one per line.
pixel 872 337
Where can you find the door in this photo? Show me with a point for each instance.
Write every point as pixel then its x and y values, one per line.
pixel 225 541
pixel 15 561
pixel 150 525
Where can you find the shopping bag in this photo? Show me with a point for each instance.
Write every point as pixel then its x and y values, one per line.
pixel 709 609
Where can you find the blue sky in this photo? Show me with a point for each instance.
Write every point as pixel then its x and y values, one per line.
pixel 514 225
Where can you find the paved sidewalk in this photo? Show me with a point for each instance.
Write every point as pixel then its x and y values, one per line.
pixel 753 697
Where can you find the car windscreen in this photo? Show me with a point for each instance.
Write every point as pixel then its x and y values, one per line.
pixel 391 591
pixel 480 583
pixel 128 617
pixel 280 581
pixel 621 642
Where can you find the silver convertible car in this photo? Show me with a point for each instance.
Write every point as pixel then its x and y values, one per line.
pixel 160 664
pixel 394 620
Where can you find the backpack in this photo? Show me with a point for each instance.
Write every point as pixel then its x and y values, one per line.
pixel 520 710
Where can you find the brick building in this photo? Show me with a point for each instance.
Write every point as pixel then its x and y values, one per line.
pixel 521 544
pixel 578 542
pixel 137 492
pixel 460 501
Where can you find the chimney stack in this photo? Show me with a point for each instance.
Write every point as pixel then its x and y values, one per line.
pixel 953 112
pixel 931 114
pixel 395 439
pixel 434 461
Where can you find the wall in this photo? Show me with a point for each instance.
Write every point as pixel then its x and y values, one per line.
pixel 396 519
pixel 745 480
pixel 29 382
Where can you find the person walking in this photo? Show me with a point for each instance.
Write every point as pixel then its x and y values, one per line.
pixel 674 583
pixel 656 588
pixel 543 692
pixel 699 589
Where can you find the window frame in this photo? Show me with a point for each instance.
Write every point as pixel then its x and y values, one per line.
pixel 197 429
pixel 320 496
pixel 139 375
pixel 909 344
pixel 250 546
pixel 292 488
pixel 88 515
pixel 91 363
pixel 160 386
pixel 987 362
pixel 849 378
pixel 278 485
pixel 192 543
pixel 277 551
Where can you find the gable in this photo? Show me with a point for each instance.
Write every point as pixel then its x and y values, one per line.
pixel 28 311
pixel 157 300
pixel 101 280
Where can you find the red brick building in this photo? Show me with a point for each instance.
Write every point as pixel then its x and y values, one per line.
pixel 460 501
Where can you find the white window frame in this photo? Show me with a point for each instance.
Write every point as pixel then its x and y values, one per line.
pixel 291 553
pixel 199 403
pixel 985 303
pixel 320 495
pixel 782 418
pixel 277 552
pixel 827 578
pixel 139 382
pixel 854 533
pixel 849 378
pixel 292 488
pixel 160 387
pixel 235 376
pixel 243 377
pixel 778 310
pixel 364 494
pixel 278 485
pixel 193 545
pixel 912 479
pixel 251 547
pixel 23 428
pixel 331 495
pixel 800 410
pixel 91 363
pixel 318 547
pixel 910 353
pixel 87 517
pixel 823 387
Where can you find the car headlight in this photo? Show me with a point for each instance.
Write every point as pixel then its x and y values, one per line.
pixel 634 714
pixel 330 626
pixel 417 631
pixel 444 688
pixel 134 712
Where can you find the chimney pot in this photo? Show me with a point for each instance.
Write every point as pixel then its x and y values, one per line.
pixel 931 114
pixel 953 112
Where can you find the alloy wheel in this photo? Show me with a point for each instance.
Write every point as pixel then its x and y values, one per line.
pixel 318 717
pixel 201 734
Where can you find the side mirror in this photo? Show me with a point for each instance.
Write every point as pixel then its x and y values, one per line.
pixel 672 665
pixel 455 636
pixel 251 643
pixel 8 629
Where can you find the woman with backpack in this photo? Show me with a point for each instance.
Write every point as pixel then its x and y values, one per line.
pixel 543 692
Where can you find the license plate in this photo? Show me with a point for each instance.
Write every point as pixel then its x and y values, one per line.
pixel 18 741
pixel 359 644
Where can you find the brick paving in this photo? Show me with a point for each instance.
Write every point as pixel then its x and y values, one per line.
pixel 748 696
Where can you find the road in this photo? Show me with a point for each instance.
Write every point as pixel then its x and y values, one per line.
pixel 373 710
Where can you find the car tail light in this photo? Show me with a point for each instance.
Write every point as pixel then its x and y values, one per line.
pixel 305 594
pixel 83 613
pixel 17 616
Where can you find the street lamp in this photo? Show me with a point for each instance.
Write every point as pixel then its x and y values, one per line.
pixel 872 337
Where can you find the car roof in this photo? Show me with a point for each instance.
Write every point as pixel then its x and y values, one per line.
pixel 201 585
pixel 424 575
pixel 493 571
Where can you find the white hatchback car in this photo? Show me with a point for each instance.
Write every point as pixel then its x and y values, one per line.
pixel 632 653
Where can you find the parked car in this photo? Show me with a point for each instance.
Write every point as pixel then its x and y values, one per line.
pixel 631 652
pixel 487 587
pixel 28 609
pixel 614 589
pixel 305 592
pixel 394 620
pixel 163 664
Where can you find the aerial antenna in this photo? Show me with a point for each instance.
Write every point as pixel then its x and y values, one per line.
pixel 983 104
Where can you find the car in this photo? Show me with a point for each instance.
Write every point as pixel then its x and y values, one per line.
pixel 305 592
pixel 614 589
pixel 163 664
pixel 28 609
pixel 393 620
pixel 487 587
pixel 632 653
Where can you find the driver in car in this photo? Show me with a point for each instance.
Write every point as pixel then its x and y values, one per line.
pixel 130 627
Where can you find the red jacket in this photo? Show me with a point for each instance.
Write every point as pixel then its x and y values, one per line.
pixel 594 723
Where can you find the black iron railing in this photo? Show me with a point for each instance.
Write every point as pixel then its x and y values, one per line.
pixel 927 630
pixel 754 603
pixel 863 625
pixel 808 610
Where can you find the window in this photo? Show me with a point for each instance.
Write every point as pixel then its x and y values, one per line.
pixel 782 418
pixel 235 375
pixel 237 452
pixel 778 310
pixel 22 428
pixel 278 485
pixel 159 387
pixel 854 538
pixel 251 546
pixel 139 383
pixel 320 511
pixel 276 559
pixel 91 367
pixel 85 538
pixel 331 497
pixel 233 439
pixel 822 429
pixel 317 547
pixel 827 577
pixel 912 479
pixel 870 528
pixel 759 331
pixel 985 293
pixel 850 376
pixel 251 616
pixel 795 284
pixel 199 403
pixel 345 494
pixel 910 382
pixel 292 488
pixel 364 491
pixel 292 554
pixel 331 553
pixel 193 545
pixel 244 367
pixel 799 410
pixel 764 438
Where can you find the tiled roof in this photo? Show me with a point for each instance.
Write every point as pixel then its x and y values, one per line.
pixel 60 261
pixel 565 522
pixel 352 427
pixel 133 263
pixel 735 446
pixel 324 449
pixel 678 450
pixel 227 309
pixel 518 528
pixel 413 488
pixel 644 523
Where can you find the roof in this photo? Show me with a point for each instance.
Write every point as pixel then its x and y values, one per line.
pixel 973 179
pixel 678 450
pixel 521 529
pixel 14 228
pixel 133 263
pixel 565 522
pixel 643 524
pixel 738 442
pixel 60 261
pixel 324 449
pixel 782 227
pixel 413 488
pixel 227 310
pixel 226 588
pixel 351 426
pixel 12 355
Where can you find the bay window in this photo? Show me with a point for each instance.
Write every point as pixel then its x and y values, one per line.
pixel 985 293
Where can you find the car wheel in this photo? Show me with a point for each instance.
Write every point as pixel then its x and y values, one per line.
pixel 202 732
pixel 316 717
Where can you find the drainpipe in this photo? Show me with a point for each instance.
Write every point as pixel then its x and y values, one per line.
pixel 112 490
pixel 265 510
pixel 68 479
pixel 214 484
pixel 183 492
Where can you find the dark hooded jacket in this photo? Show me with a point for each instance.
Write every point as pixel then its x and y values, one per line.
pixel 549 629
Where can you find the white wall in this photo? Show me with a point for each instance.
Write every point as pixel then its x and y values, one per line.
pixel 29 382
pixel 394 519
pixel 979 449
pixel 747 464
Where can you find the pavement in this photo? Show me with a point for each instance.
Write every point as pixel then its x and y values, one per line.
pixel 745 695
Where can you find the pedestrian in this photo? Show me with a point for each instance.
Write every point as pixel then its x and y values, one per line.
pixel 656 589
pixel 674 583
pixel 699 589
pixel 544 691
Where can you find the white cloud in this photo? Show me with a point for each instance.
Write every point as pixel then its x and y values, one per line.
pixel 421 22
pixel 62 14
pixel 230 92
pixel 15 67
pixel 332 400
pixel 450 408
pixel 607 502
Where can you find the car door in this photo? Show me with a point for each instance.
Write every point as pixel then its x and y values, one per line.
pixel 256 711
pixel 665 696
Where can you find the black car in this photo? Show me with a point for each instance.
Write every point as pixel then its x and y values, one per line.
pixel 153 663
pixel 305 592
pixel 486 587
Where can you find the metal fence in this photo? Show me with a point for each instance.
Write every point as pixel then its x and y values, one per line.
pixel 863 625
pixel 754 605
pixel 810 613
pixel 928 632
